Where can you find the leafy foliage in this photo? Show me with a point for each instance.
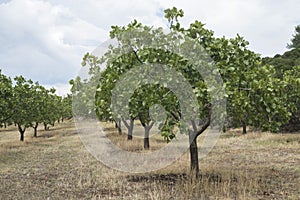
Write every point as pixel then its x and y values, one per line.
pixel 296 39
pixel 292 91
pixel 261 93
pixel 287 69
pixel 6 94
pixel 28 104
pixel 255 93
pixel 23 99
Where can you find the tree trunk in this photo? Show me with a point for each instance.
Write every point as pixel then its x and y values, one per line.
pixel 22 136
pixel 35 130
pixel 21 131
pixel 4 125
pixel 146 143
pixel 146 137
pixel 129 136
pixel 194 155
pixel 45 127
pixel 244 127
pixel 193 135
pixel 129 128
pixel 118 126
pixel 147 128
pixel 224 129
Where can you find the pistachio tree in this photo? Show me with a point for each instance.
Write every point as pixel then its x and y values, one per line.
pixel 254 94
pixel 291 79
pixel 46 106
pixel 52 108
pixel 6 94
pixel 66 107
pixel 22 104
pixel 39 98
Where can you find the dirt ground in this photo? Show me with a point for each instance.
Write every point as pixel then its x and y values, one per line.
pixel 56 165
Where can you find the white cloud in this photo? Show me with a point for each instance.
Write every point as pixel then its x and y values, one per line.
pixel 45 40
pixel 60 89
pixel 104 13
pixel 268 25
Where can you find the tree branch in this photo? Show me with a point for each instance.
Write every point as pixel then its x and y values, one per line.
pixel 203 128
pixel 194 125
pixel 137 57
pixel 174 115
pixel 151 124
pixel 126 124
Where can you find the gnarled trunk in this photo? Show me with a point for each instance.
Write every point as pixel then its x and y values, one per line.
pixel 22 132
pixel 146 135
pixel 193 135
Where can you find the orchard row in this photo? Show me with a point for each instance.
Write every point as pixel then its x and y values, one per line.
pixel 25 104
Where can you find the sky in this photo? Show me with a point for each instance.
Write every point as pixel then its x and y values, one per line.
pixel 45 40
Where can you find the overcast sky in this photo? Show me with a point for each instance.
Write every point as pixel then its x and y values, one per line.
pixel 46 40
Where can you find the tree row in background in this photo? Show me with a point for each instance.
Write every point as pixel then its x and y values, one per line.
pixel 25 104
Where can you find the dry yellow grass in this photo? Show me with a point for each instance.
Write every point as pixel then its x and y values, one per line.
pixel 56 166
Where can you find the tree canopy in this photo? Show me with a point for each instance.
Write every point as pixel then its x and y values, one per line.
pixel 255 93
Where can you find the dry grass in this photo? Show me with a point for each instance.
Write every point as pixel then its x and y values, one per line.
pixel 56 166
pixel 135 145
